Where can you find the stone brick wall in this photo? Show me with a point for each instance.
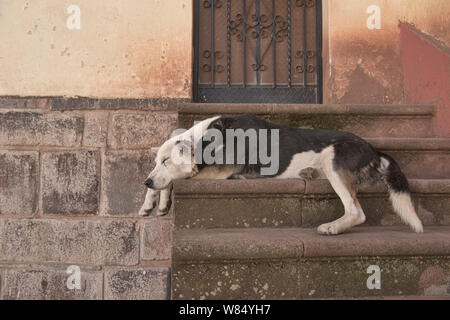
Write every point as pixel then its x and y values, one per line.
pixel 71 185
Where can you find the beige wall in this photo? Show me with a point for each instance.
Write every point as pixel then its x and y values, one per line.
pixel 143 48
pixel 125 48
pixel 363 65
pixel 430 16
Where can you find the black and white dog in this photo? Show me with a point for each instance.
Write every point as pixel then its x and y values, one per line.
pixel 343 158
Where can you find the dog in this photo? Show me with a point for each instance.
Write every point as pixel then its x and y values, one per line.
pixel 343 158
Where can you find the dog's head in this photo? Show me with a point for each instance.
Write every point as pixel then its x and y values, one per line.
pixel 174 160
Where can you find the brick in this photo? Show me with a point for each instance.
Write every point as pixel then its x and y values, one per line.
pixel 157 239
pixel 18 182
pixel 123 176
pixel 69 241
pixel 96 129
pixel 132 130
pixel 40 129
pixel 70 182
pixel 37 284
pixel 137 284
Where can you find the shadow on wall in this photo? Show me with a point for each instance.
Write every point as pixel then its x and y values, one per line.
pixel 426 70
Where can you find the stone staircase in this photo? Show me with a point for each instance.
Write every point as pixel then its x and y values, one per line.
pixel 256 239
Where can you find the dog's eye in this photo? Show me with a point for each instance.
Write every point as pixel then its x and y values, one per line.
pixel 165 162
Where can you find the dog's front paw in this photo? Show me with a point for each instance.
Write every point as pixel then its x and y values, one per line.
pixel 151 199
pixel 144 212
pixel 162 212
pixel 328 229
pixel 165 201
pixel 147 208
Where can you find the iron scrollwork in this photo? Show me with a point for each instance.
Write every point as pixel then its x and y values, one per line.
pixel 310 68
pixel 217 4
pixel 309 54
pixel 300 54
pixel 217 55
pixel 307 3
pixel 260 27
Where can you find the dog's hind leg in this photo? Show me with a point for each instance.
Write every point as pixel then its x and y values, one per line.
pixel 343 184
pixel 164 201
pixel 149 203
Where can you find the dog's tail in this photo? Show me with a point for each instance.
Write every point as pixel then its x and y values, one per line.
pixel 399 192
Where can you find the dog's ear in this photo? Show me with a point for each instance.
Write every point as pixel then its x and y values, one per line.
pixel 177 132
pixel 219 124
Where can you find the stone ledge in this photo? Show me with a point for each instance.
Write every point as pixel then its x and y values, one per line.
pixel 88 103
pixel 15 102
pixel 237 108
pixel 298 243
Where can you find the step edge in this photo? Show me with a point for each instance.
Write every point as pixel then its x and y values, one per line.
pixel 410 144
pixel 296 187
pixel 400 242
pixel 310 109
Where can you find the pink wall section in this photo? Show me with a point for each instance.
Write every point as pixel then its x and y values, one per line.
pixel 426 73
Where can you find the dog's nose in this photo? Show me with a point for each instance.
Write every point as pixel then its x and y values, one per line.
pixel 149 183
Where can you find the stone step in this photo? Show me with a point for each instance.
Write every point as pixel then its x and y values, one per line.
pixel 273 203
pixel 419 158
pixel 296 263
pixel 362 120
